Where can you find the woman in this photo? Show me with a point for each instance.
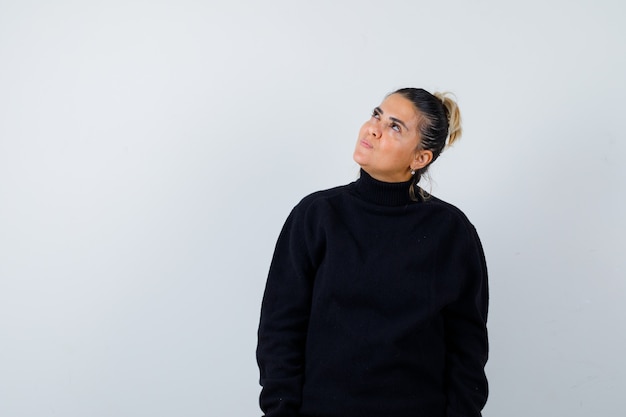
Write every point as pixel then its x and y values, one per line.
pixel 376 299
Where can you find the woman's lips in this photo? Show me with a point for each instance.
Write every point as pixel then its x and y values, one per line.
pixel 366 144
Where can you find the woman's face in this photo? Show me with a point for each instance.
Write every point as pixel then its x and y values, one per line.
pixel 387 147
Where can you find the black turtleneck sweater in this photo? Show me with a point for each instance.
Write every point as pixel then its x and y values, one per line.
pixel 375 305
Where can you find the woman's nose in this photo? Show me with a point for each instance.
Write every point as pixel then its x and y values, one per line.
pixel 375 130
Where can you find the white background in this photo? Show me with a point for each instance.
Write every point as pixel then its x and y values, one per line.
pixel 151 150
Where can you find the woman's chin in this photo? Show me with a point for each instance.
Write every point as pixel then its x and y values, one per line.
pixel 359 158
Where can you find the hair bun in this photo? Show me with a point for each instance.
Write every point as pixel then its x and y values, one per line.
pixel 453 114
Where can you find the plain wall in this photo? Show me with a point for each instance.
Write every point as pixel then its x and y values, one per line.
pixel 151 150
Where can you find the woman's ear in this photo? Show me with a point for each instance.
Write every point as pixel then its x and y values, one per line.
pixel 422 159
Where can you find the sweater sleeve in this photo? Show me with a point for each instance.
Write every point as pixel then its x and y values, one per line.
pixel 466 333
pixel 284 319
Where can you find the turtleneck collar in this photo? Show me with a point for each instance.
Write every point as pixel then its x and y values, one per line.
pixel 383 193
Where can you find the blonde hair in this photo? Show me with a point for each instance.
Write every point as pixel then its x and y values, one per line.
pixel 451 108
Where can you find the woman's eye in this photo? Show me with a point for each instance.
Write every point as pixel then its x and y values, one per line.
pixel 375 115
pixel 395 127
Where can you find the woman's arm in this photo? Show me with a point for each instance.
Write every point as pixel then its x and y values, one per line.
pixel 466 335
pixel 284 321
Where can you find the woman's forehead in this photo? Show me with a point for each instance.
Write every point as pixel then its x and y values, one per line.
pixel 395 105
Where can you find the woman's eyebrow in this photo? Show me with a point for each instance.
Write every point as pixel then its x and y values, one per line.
pixel 398 121
pixel 393 119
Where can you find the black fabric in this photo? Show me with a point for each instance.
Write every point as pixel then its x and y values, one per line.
pixel 375 305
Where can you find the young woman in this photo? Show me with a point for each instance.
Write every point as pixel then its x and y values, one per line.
pixel 376 299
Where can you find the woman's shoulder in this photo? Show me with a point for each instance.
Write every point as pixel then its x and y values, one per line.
pixel 313 208
pixel 322 197
pixel 449 210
